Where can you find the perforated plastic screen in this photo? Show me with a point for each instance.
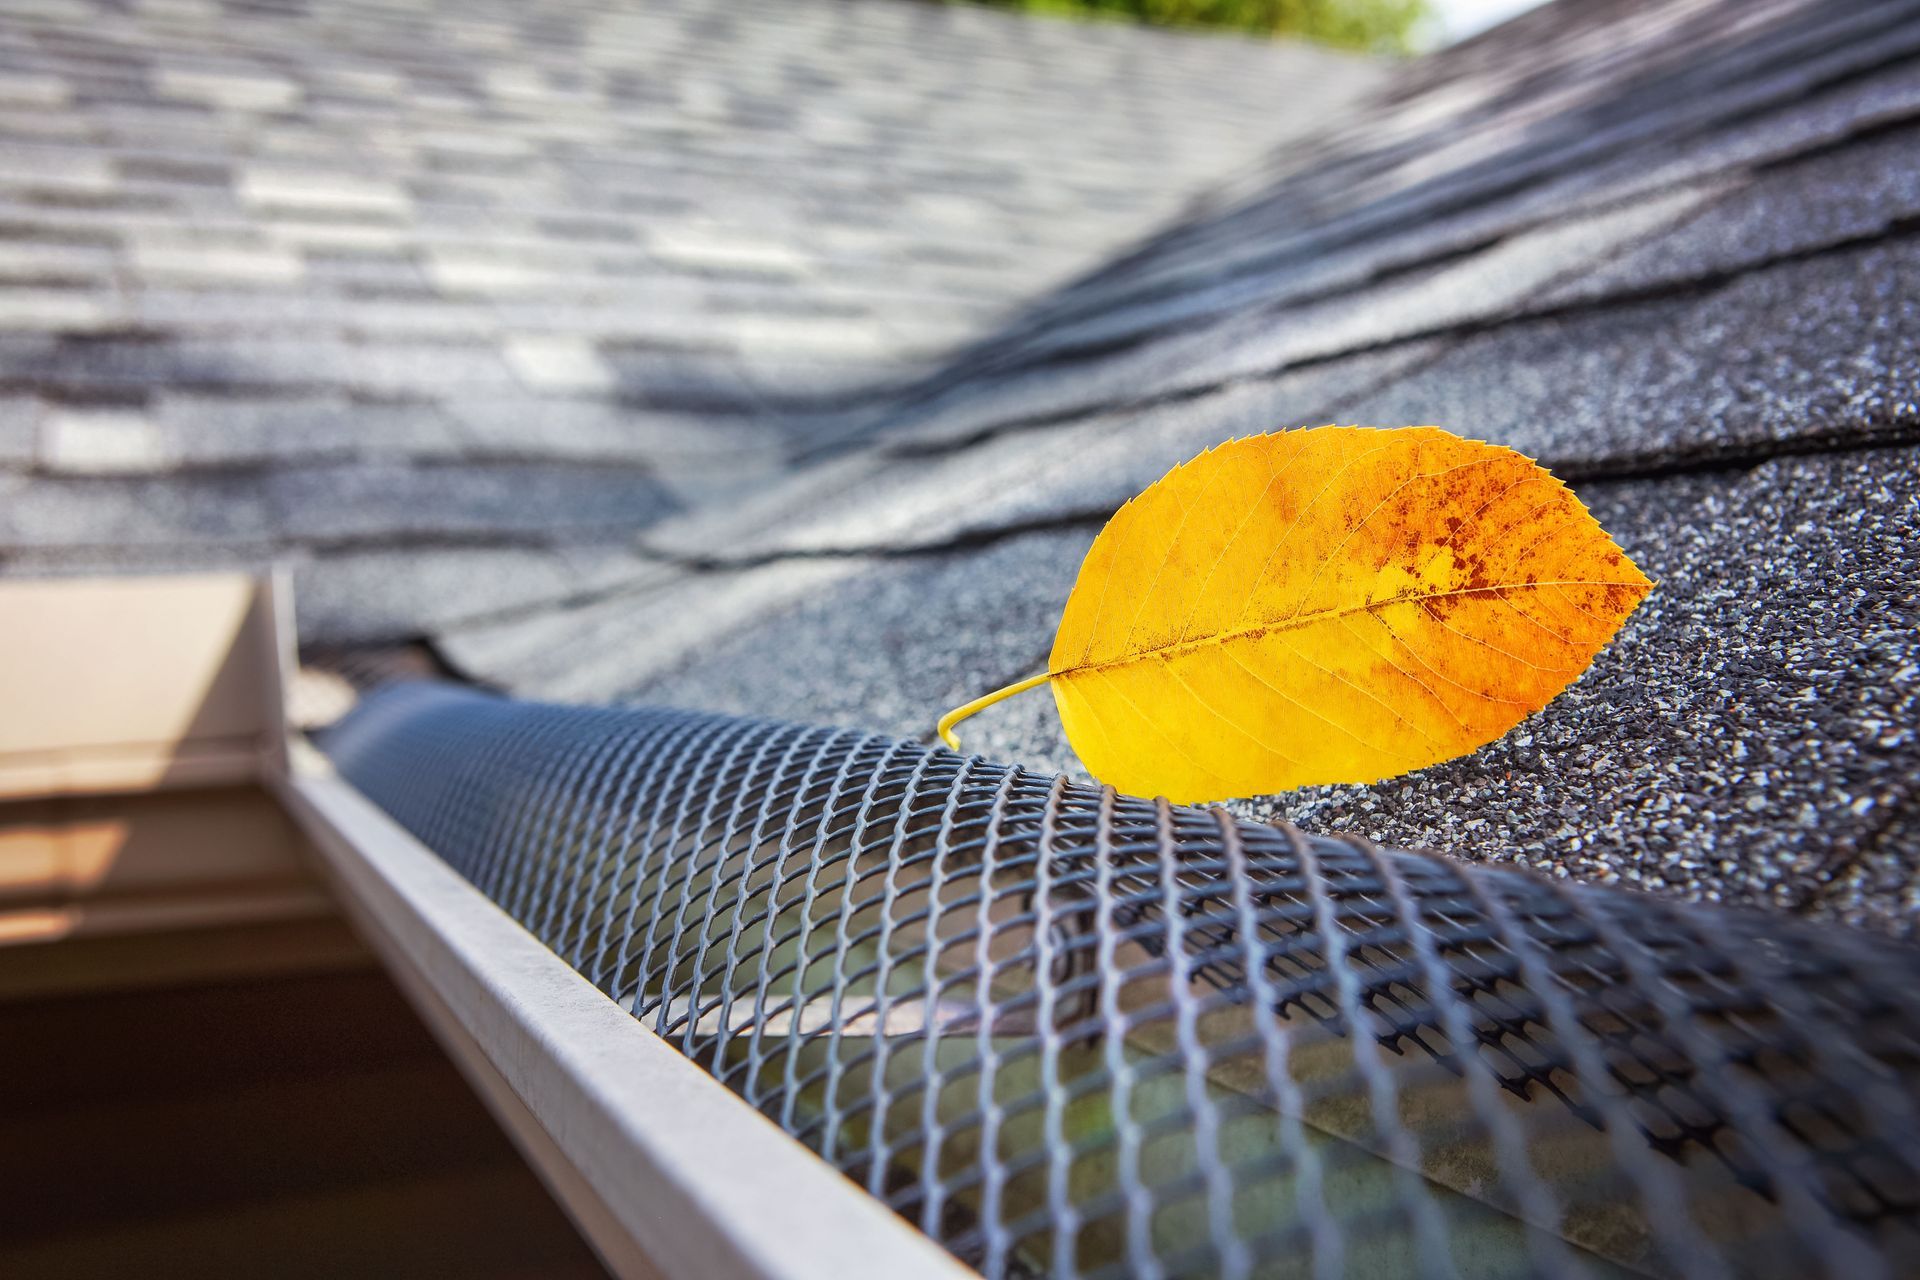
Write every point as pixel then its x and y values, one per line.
pixel 1068 1032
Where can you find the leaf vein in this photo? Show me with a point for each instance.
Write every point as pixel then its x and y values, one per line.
pixel 1295 652
pixel 1304 706
pixel 1301 621
pixel 1151 724
pixel 1166 555
pixel 1274 475
pixel 1408 676
pixel 1253 591
pixel 1469 690
pixel 1201 699
pixel 1489 645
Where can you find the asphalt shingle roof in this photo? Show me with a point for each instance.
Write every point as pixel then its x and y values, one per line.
pixel 443 301
pixel 1670 249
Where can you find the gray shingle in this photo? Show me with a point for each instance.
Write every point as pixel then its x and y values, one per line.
pixel 223 429
pixel 335 503
pixel 423 369
pixel 1858 191
pixel 215 265
pixel 530 427
pixel 19 429
pixel 25 88
pixel 567 366
pixel 366 597
pixel 272 187
pixel 39 263
pixel 696 381
pixel 1827 349
pixel 126 364
pixel 79 441
pixel 31 310
pixel 55 171
pixel 109 513
pixel 230 90
pixel 589 650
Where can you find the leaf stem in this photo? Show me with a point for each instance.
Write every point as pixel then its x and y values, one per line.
pixel 981 703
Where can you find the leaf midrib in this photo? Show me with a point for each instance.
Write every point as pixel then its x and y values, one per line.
pixel 1180 648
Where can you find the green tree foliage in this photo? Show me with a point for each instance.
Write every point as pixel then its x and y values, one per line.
pixel 1383 25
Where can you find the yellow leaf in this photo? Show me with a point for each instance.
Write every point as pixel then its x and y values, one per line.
pixel 1332 605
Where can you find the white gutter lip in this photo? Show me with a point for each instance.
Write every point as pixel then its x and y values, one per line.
pixel 704 1184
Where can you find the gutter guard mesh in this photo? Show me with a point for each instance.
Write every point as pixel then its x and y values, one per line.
pixel 1069 1032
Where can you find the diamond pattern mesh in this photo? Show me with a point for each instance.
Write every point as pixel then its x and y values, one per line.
pixel 1074 1033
